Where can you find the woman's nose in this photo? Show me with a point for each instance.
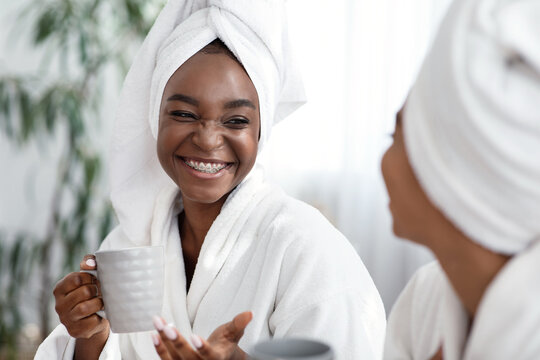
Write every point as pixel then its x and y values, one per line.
pixel 208 137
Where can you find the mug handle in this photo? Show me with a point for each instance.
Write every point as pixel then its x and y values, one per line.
pixel 94 272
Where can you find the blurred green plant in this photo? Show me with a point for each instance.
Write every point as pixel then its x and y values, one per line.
pixel 84 40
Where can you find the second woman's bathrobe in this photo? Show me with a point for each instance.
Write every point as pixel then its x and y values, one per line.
pixel 267 253
pixel 428 315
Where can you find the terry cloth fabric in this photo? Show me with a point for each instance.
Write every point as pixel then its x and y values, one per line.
pixel 472 122
pixel 254 30
pixel 265 252
pixel 428 314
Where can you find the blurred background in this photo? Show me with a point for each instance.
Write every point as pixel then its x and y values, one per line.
pixel 62 63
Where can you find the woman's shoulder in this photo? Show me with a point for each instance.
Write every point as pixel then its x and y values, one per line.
pixel 290 213
pixel 302 229
pixel 412 330
pixel 422 295
pixel 427 277
pixel 310 245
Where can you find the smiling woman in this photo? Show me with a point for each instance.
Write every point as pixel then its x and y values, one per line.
pixel 208 127
pixel 245 262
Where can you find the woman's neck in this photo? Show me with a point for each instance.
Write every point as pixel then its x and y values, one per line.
pixel 194 223
pixel 469 266
pixel 197 219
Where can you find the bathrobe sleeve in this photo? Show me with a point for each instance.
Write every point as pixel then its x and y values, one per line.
pixel 324 290
pixel 60 345
pixel 412 330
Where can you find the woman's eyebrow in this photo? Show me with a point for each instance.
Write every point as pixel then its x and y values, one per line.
pixel 239 103
pixel 228 105
pixel 184 98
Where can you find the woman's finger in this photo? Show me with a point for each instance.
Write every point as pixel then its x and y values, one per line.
pixel 160 347
pixel 72 282
pixel 205 350
pixel 177 344
pixel 165 344
pixel 224 340
pixel 235 328
pixel 86 308
pixel 88 262
pixel 173 341
pixel 83 293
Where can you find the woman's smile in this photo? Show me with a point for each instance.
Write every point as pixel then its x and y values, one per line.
pixel 204 168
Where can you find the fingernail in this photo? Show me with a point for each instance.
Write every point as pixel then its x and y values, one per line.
pixel 196 341
pixel 91 262
pixel 155 339
pixel 169 332
pixel 158 323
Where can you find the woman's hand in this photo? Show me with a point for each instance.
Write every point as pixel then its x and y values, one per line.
pixel 221 345
pixel 78 299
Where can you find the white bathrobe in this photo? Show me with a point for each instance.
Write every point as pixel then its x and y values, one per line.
pixel 265 252
pixel 428 314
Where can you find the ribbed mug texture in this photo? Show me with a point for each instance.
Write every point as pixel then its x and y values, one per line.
pixel 132 286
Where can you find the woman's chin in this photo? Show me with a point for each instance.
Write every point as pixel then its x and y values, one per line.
pixel 411 236
pixel 203 197
pixel 398 230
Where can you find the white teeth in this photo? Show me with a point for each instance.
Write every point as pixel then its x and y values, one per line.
pixel 209 168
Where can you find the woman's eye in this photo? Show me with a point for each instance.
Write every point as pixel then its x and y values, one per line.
pixel 182 114
pixel 237 122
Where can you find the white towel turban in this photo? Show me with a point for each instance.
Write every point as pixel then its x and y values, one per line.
pixel 254 30
pixel 472 122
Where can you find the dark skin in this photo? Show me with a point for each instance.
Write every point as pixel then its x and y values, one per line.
pixel 469 266
pixel 209 117
pixel 78 299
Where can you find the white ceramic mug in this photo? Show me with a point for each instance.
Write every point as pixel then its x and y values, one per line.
pixel 131 286
pixel 292 348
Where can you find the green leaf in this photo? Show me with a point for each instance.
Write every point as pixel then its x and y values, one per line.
pixel 47 24
pixel 5 107
pixel 49 109
pixel 15 255
pixel 91 171
pixel 28 121
pixel 83 48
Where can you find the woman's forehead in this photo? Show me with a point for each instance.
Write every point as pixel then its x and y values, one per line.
pixel 214 74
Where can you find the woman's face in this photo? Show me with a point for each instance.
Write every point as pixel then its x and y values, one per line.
pixel 208 127
pixel 414 216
